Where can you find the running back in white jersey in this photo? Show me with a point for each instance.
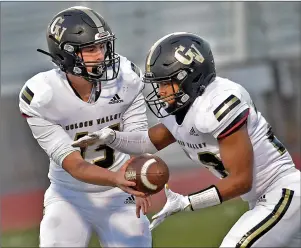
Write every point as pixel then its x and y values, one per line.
pixel 47 99
pixel 223 106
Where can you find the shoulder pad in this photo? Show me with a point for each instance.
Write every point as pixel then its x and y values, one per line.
pixel 218 111
pixel 136 69
pixel 131 74
pixel 128 67
pixel 35 95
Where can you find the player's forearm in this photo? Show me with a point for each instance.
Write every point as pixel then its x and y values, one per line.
pixel 86 172
pixel 224 190
pixel 231 187
pixel 134 143
pixel 93 174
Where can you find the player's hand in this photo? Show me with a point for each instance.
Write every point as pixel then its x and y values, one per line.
pixel 174 204
pixel 124 184
pixel 101 137
pixel 142 204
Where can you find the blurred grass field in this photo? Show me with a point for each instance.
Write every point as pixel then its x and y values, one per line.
pixel 205 228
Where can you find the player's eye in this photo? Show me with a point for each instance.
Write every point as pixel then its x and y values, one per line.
pixel 164 84
pixel 89 49
pixel 102 46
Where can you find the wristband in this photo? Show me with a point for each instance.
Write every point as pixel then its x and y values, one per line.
pixel 205 198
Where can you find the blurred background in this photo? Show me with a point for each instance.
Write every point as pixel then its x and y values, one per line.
pixel 257 44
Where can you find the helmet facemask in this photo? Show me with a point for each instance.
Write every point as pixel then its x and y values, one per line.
pixel 156 102
pixel 105 70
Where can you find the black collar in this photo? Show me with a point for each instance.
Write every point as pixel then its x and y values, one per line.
pixel 180 114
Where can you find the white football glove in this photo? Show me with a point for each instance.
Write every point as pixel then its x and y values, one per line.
pixel 174 204
pixel 101 137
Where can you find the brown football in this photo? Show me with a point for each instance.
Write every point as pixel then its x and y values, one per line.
pixel 149 172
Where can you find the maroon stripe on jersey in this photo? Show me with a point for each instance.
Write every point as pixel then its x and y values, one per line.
pixel 25 115
pixel 236 124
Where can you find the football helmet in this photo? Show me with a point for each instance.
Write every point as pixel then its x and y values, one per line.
pixel 182 58
pixel 75 28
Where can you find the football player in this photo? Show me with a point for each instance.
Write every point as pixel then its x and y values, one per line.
pixel 92 87
pixel 218 126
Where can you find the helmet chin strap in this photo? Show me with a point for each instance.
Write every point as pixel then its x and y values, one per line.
pixel 181 99
pixel 184 103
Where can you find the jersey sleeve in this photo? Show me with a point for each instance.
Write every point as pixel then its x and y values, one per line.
pixel 52 138
pixel 33 103
pixel 225 113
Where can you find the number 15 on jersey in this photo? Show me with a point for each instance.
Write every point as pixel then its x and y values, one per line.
pixel 100 155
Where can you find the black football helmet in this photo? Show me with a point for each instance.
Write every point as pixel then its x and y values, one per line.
pixel 75 28
pixel 182 58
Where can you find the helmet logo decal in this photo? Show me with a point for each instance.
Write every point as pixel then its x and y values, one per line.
pixel 186 57
pixel 56 29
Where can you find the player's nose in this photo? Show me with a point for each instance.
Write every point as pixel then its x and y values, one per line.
pixel 99 54
pixel 161 91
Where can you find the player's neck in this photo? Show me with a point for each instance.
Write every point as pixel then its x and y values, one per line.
pixel 180 115
pixel 81 86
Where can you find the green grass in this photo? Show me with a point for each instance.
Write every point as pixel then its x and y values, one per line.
pixel 205 228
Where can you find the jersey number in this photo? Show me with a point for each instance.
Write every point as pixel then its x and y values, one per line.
pixel 108 158
pixel 211 160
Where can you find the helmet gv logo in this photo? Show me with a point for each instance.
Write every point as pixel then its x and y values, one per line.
pixel 187 56
pixel 56 29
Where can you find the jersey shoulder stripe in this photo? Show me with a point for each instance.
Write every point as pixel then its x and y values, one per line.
pixel 225 107
pixel 27 95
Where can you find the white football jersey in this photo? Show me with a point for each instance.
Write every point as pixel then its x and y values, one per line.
pixel 212 116
pixel 57 117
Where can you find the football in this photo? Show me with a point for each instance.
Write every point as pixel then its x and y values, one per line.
pixel 149 172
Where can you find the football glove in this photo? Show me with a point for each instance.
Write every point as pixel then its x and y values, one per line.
pixel 101 137
pixel 174 204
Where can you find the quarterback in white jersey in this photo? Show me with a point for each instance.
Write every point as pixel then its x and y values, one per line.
pixel 218 126
pixel 93 88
